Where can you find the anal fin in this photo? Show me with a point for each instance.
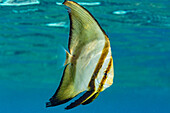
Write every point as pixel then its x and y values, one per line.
pixel 82 99
pixel 91 99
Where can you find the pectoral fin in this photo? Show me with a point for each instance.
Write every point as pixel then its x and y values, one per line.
pixel 68 56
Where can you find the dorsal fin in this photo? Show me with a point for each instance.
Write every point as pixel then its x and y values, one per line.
pixel 82 26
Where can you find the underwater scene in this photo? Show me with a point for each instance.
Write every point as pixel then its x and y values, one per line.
pixel 34 35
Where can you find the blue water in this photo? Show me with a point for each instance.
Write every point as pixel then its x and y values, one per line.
pixel 32 38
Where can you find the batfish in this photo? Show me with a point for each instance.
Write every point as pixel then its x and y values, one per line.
pixel 89 62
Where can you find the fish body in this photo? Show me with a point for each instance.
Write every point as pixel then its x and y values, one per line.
pixel 89 62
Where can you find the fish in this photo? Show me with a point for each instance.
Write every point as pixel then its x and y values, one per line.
pixel 89 63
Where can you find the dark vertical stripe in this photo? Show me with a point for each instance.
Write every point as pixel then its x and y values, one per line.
pixel 101 84
pixel 105 76
pixel 100 63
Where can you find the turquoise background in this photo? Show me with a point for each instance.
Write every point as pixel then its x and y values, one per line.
pixel 32 56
